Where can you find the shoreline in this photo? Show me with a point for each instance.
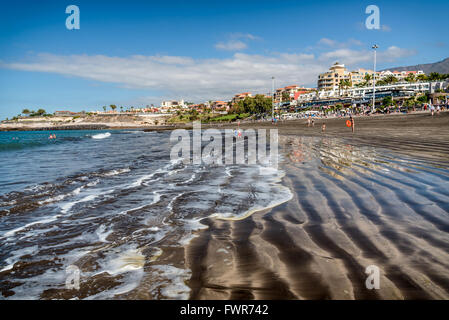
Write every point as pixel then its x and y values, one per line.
pixel 6 127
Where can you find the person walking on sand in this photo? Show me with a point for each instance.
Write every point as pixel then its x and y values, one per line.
pixel 352 123
pixel 432 109
pixel 323 128
pixel 309 121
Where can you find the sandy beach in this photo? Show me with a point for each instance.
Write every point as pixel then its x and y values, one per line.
pixel 375 197
pixel 139 226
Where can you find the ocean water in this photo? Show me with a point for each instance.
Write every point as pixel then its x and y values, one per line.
pixel 110 203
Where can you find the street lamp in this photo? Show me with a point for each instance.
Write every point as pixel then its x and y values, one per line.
pixel 272 97
pixel 374 78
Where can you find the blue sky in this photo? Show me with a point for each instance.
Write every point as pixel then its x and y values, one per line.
pixel 141 52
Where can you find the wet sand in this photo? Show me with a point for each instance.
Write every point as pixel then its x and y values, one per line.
pixel 376 197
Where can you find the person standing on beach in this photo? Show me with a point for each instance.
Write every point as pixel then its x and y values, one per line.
pixel 323 128
pixel 352 123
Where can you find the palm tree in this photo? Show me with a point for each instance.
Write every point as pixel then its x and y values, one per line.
pixel 113 107
pixel 344 84
pixel 434 76
pixel 390 79
pixel 362 84
pixel 421 77
pixel 368 78
pixel 104 108
pixel 410 78
pixel 285 96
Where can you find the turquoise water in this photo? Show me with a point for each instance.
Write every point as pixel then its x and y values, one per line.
pixel 106 202
pixel 19 140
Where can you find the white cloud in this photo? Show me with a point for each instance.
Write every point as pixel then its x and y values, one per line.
pixel 231 45
pixel 385 28
pixel 334 43
pixel 327 42
pixel 238 41
pixel 354 57
pixel 239 35
pixel 202 79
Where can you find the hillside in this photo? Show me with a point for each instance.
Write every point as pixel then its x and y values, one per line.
pixel 440 67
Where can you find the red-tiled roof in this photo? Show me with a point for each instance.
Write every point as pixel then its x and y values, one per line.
pixel 297 94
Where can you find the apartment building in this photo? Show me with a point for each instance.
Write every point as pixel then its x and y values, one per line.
pixel 292 91
pixel 172 104
pixel 241 96
pixel 331 79
pixel 219 105
pixel 400 75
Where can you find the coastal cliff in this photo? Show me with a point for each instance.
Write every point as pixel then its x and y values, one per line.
pixel 84 122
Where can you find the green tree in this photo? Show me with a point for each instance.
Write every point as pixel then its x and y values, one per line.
pixel 434 76
pixel 390 80
pixel 423 99
pixel 113 107
pixel 387 101
pixel 104 108
pixel 344 84
pixel 40 112
pixel 26 111
pixel 410 102
pixel 237 108
pixel 285 96
pixel 421 77
pixel 410 78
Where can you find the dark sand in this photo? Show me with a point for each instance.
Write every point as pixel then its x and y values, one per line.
pixel 378 197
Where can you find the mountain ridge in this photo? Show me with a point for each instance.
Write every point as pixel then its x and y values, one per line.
pixel 440 67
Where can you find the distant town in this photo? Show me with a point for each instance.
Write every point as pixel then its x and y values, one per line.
pixel 338 88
